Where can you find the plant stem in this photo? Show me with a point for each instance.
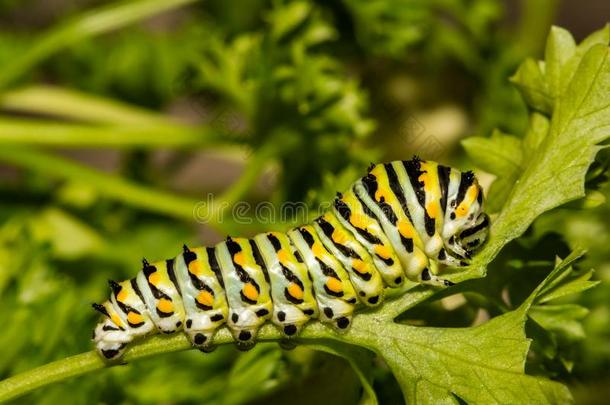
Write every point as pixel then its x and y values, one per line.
pixel 50 133
pixel 74 105
pixel 107 184
pixel 87 25
pixel 536 18
pixel 84 363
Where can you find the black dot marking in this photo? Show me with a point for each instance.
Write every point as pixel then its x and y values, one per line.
pixel 290 330
pixel 216 318
pixel 362 293
pixel 262 312
pixel 235 317
pixel 189 322
pixel 308 311
pixel 425 275
pixel 244 335
pixel 352 300
pixel 398 280
pixel 281 316
pixel 328 312
pixel 374 300
pixel 342 322
pixel 200 339
pixel 178 324
pixel 452 215
pixel 109 354
pixel 448 283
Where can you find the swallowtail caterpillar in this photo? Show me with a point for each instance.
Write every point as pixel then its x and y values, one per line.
pixel 396 222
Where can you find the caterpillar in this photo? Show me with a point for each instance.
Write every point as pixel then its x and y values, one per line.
pixel 397 222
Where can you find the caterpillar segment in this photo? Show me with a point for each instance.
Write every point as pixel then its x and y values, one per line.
pixel 294 301
pixel 331 284
pixel 200 281
pixel 386 200
pixel 157 284
pixel 400 221
pixel 355 259
pixel 360 221
pixel 248 288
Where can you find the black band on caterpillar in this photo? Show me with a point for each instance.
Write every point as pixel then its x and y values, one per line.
pixel 389 225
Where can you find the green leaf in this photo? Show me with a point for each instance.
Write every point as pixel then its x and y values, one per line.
pixel 501 154
pixel 285 19
pixel 560 48
pixel 554 171
pixel 480 365
pixel 529 79
pixel 361 362
pixel 561 319
pixel 68 236
pixel 572 286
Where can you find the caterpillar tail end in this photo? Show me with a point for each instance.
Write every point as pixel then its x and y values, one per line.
pixel 110 341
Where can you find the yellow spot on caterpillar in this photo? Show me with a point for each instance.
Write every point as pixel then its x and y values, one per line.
pixel 339 236
pixel 424 178
pixel 318 250
pixel 250 292
pixel 295 291
pixel 462 209
pixel 122 295
pixel 381 192
pixel 165 305
pixel 472 193
pixel 154 278
pixel 134 318
pixel 359 266
pixel 195 267
pixel 283 256
pixel 405 229
pixel 358 220
pixel 334 285
pixel 383 251
pixel 205 298
pixel 240 259
pixel 432 210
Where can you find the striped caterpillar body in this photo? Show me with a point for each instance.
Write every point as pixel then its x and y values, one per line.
pixel 397 222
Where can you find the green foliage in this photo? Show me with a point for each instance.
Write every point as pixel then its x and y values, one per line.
pixel 317 90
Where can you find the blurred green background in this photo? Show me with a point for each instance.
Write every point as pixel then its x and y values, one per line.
pixel 116 120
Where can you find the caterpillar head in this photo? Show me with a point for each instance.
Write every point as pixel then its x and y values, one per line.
pixel 466 225
pixel 471 238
